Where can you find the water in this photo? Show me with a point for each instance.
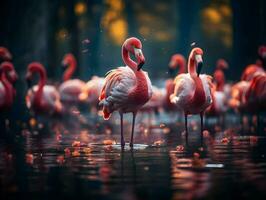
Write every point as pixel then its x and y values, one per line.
pixel 85 162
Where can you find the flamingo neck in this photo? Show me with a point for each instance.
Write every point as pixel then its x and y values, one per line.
pixel 140 92
pixel 199 96
pixel 70 70
pixel 38 95
pixel 127 60
pixel 182 68
pixel 8 89
pixel 192 67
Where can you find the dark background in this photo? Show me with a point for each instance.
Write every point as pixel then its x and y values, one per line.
pixel 94 30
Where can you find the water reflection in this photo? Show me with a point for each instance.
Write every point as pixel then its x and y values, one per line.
pixel 86 162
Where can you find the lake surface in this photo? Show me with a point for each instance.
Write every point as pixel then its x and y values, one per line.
pixel 81 158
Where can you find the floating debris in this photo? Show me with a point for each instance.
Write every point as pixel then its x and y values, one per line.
pixel 225 140
pixel 180 148
pixel 158 143
pixel 75 153
pixel 60 159
pixel 109 142
pixel 76 144
pixel 86 41
pixel 193 44
pixel 33 122
pixel 29 158
pixel 67 151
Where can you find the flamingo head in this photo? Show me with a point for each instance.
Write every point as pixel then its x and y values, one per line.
pixel 262 51
pixel 177 61
pixel 5 54
pixel 196 56
pixel 9 70
pixel 68 60
pixel 134 46
pixel 221 64
pixel 34 67
pixel 262 54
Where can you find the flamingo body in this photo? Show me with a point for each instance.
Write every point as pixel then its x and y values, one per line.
pixel 126 89
pixel 42 98
pixel 50 100
pixel 185 88
pixel 92 90
pixel 70 91
pixel 119 91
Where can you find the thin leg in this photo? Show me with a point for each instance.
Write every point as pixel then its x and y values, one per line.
pixel 122 133
pixel 201 127
pixel 186 129
pixel 132 132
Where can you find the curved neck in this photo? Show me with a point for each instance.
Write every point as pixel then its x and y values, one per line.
pixel 8 89
pixel 182 68
pixel 127 60
pixel 192 65
pixel 41 83
pixel 70 70
pixel 199 96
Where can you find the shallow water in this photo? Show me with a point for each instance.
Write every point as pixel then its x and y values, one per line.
pixel 86 161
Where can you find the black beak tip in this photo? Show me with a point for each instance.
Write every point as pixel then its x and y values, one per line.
pixel 199 67
pixel 29 83
pixel 140 65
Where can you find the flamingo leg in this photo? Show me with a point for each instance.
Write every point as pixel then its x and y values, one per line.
pixel 132 132
pixel 186 127
pixel 122 133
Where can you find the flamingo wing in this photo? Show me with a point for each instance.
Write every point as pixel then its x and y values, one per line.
pixel 117 86
pixel 184 90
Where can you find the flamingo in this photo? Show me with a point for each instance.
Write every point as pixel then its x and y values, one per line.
pixel 7 91
pixel 5 54
pixel 250 71
pixel 155 102
pixel 255 96
pixel 70 89
pixel 192 92
pixel 177 61
pixel 126 89
pixel 91 91
pixel 220 91
pixel 262 56
pixel 42 98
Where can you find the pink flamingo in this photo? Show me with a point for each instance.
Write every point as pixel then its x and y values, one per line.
pixel 192 92
pixel 262 56
pixel 155 102
pixel 250 71
pixel 177 61
pixel 42 98
pixel 7 91
pixel 255 97
pixel 70 89
pixel 91 92
pixel 5 54
pixel 126 89
pixel 221 91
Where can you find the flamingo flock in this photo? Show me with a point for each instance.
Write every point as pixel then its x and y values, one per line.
pixel 128 89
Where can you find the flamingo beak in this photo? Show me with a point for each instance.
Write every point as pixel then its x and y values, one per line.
pixel 264 55
pixel 13 76
pixel 199 61
pixel 172 64
pixel 8 56
pixel 64 63
pixel 140 58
